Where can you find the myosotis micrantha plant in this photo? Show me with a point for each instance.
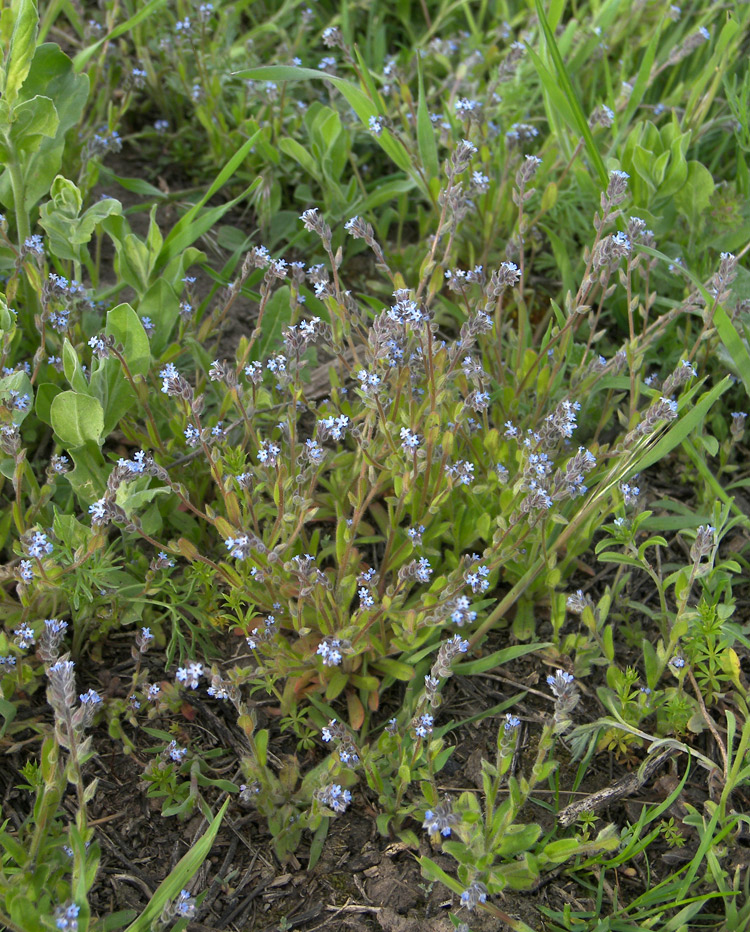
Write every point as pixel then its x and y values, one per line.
pixel 392 466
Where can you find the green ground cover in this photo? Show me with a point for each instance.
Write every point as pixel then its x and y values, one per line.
pixel 354 354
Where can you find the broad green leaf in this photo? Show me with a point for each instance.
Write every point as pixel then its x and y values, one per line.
pixel 44 395
pixel 162 305
pixel 135 262
pixel 134 499
pixel 395 668
pixel 115 394
pixel 7 320
pixel 60 217
pixel 694 194
pixel 52 76
pixel 125 326
pixel 176 268
pixel 337 684
pixel 89 476
pixel 72 369
pixel 326 128
pixel 77 418
pixel 67 528
pixel 32 121
pixel 22 45
pixel 8 710
pixel 21 383
pixel 517 838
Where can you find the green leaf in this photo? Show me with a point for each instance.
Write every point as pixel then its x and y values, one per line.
pixel 125 326
pixel 337 684
pixel 162 305
pixel 579 119
pixel 177 267
pixel 277 316
pixel 116 920
pixel 51 76
pixel 22 45
pixel 134 262
pixel 316 846
pixel 395 668
pixel 193 223
pixel 355 97
pixel 8 711
pixel 188 865
pixel 21 383
pixel 261 746
pixel 14 850
pixel 113 392
pixel 134 185
pixel 88 478
pixel 32 120
pixel 734 345
pixel 44 395
pixel 384 192
pixel 694 194
pixel 72 369
pixel 497 658
pixel 84 56
pixel 69 529
pixel 517 838
pixel 642 78
pixel 60 218
pixel 674 436
pixel 77 418
pixel 431 871
pixel 293 149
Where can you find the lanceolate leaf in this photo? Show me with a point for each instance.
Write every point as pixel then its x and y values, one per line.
pixel 578 116
pixel 355 97
pixel 171 886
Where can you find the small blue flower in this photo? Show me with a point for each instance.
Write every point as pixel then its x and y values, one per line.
pixel 26 570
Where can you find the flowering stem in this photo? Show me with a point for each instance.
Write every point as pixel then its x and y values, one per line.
pixel 199 556
pixel 147 408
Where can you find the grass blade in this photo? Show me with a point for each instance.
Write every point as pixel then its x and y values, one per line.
pixel 85 55
pixel 192 225
pixel 185 868
pixel 734 345
pixel 682 428
pixel 580 123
